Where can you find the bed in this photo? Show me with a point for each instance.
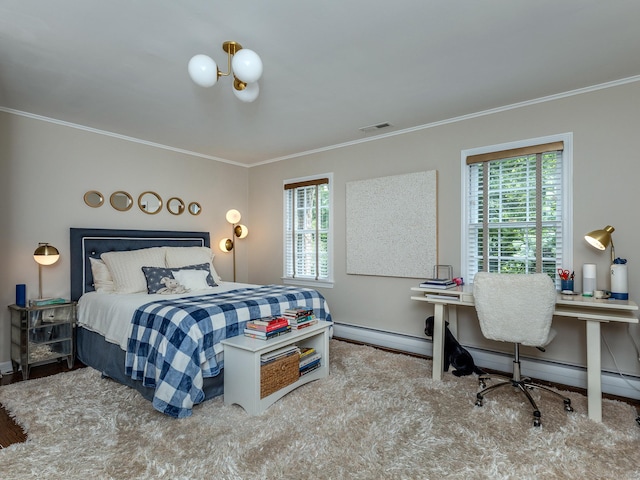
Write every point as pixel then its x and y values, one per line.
pixel 161 340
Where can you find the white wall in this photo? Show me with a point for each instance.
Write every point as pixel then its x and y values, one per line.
pixel 46 168
pixel 606 173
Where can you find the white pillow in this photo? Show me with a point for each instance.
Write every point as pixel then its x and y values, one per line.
pixel 177 257
pixel 192 279
pixel 102 280
pixel 126 267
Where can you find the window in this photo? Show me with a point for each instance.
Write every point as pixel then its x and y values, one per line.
pixel 517 207
pixel 307 230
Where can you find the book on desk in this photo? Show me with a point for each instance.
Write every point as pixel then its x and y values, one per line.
pixel 439 283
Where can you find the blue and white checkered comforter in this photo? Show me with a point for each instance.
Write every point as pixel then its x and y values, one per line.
pixel 174 342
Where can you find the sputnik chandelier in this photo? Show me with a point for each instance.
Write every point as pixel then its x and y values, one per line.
pixel 244 64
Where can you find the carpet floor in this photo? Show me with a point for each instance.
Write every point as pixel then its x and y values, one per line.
pixel 377 416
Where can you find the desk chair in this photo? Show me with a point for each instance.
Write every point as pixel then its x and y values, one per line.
pixel 516 308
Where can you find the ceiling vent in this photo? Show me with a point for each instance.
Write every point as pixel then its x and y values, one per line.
pixel 375 128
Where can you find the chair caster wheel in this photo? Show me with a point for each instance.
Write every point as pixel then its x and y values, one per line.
pixel 536 418
pixel 478 401
pixel 567 406
pixel 482 384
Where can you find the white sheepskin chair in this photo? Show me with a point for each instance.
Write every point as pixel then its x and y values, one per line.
pixel 516 308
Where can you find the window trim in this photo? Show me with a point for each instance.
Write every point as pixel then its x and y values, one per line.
pixel 309 282
pixel 567 188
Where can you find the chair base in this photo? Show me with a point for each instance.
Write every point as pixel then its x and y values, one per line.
pixel 524 385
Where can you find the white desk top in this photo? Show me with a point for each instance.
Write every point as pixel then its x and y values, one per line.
pixel 579 301
pixel 575 306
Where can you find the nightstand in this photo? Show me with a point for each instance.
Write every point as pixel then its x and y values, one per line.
pixel 42 334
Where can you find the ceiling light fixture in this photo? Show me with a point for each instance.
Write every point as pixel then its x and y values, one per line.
pixel 244 64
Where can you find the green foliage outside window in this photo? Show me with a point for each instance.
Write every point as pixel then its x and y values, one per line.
pixel 513 213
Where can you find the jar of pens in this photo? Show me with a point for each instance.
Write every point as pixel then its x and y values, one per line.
pixel 566 280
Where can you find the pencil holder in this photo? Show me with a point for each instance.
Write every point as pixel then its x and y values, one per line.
pixel 566 285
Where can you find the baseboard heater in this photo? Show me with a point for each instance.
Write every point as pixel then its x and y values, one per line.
pixel 6 368
pixel 576 376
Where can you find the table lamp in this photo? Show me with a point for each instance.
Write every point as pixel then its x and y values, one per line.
pixel 45 254
pixel 600 239
pixel 619 276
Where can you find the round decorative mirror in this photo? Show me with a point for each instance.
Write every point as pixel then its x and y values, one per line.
pixel 194 208
pixel 121 201
pixel 93 198
pixel 175 206
pixel 150 202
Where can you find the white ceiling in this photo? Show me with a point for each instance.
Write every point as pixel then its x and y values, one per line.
pixel 330 67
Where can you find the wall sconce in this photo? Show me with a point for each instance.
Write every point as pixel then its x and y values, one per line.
pixel 226 244
pixel 600 239
pixel 45 254
pixel 244 64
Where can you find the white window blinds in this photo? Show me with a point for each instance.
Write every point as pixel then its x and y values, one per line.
pixel 306 219
pixel 515 210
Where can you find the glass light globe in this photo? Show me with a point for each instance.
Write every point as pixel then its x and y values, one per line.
pixel 244 231
pixel 249 94
pixel 247 65
pixel 233 216
pixel 46 254
pixel 226 245
pixel 203 70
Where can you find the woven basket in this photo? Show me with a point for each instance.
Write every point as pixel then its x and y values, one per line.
pixel 278 374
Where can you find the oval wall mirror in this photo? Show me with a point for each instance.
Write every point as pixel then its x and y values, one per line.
pixel 93 198
pixel 175 206
pixel 194 208
pixel 150 202
pixel 121 201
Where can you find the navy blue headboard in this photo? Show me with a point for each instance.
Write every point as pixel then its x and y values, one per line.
pixel 92 242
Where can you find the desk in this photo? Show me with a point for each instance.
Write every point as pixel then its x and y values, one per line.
pixel 593 312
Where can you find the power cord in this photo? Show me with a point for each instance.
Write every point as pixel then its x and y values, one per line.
pixel 604 340
pixel 633 341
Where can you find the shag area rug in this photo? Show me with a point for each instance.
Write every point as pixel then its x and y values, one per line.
pixel 377 416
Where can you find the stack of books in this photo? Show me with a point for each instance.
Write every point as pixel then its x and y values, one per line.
pixel 280 353
pixel 442 283
pixel 309 360
pixel 41 302
pixel 300 317
pixel 266 328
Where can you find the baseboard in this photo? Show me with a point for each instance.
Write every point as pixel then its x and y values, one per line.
pixel 395 341
pixel 5 368
pixel 571 375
